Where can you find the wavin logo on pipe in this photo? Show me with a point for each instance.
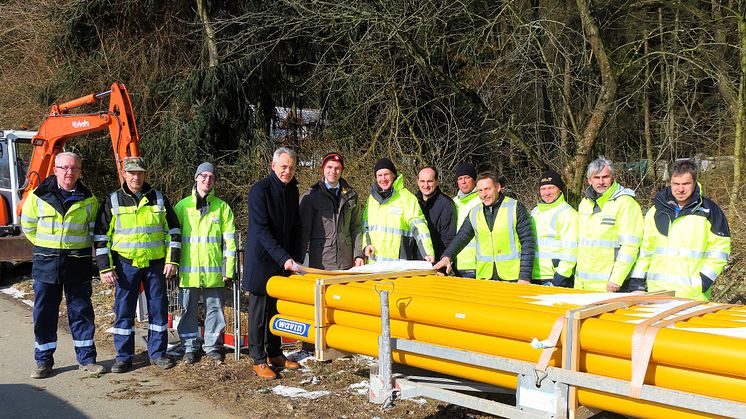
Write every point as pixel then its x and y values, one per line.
pixel 290 326
pixel 81 124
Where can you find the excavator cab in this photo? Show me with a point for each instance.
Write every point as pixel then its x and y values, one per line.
pixel 12 176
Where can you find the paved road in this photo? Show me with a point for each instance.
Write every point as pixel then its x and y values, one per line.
pixel 69 393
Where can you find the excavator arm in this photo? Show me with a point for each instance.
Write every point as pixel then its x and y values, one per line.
pixel 61 125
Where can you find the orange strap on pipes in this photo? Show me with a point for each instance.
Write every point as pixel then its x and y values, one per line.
pixel 644 334
pixel 560 323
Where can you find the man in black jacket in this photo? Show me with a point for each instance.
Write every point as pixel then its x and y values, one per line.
pixel 272 246
pixel 505 238
pixel 439 210
pixel 330 221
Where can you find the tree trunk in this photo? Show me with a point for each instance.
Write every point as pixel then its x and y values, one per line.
pixel 738 143
pixel 604 100
pixel 210 38
pixel 650 173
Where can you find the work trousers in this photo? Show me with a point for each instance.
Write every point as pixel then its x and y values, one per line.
pixel 47 299
pixel 262 343
pixel 214 319
pixel 129 279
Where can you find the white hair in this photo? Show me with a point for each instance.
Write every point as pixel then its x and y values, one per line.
pixel 598 165
pixel 283 150
pixel 68 154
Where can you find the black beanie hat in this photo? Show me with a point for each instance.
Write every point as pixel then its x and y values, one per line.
pixel 466 169
pixel 550 177
pixel 384 163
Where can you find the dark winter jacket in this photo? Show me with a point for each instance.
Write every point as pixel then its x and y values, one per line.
pixel 440 213
pixel 330 226
pixel 61 266
pixel 274 232
pixel 523 228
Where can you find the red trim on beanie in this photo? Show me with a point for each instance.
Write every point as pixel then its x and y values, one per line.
pixel 332 157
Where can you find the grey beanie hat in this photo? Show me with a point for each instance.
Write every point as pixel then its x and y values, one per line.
pixel 206 167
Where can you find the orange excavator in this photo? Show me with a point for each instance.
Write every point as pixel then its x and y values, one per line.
pixel 59 127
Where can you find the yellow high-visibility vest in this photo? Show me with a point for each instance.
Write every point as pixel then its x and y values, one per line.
pixel 466 259
pixel 138 232
pixel 499 248
pixel 43 226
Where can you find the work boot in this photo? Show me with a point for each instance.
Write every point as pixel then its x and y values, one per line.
pixel 163 362
pixel 264 371
pixel 191 358
pixel 93 368
pixel 41 371
pixel 121 367
pixel 280 361
pixel 216 356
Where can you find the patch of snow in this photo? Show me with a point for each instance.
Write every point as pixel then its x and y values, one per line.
pixel 295 392
pixel 13 292
pixel 310 380
pixel 361 388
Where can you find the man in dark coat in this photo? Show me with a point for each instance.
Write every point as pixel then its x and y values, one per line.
pixel 272 246
pixel 439 210
pixel 329 217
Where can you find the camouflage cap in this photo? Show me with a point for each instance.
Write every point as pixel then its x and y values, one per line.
pixel 134 164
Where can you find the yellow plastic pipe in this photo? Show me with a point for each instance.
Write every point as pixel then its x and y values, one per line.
pixel 491 345
pixel 681 348
pixel 365 342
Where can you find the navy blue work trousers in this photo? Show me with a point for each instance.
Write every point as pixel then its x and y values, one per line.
pixel 129 279
pixel 47 299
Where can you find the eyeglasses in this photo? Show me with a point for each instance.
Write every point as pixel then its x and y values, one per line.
pixel 72 169
pixel 206 176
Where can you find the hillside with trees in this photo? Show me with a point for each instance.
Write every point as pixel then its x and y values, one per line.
pixel 515 85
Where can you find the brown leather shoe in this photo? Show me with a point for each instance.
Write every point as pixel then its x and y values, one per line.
pixel 281 361
pixel 264 371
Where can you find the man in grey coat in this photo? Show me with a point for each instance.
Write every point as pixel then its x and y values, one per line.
pixel 329 219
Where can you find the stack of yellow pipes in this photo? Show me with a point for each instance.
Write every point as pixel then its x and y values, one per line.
pixel 501 319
